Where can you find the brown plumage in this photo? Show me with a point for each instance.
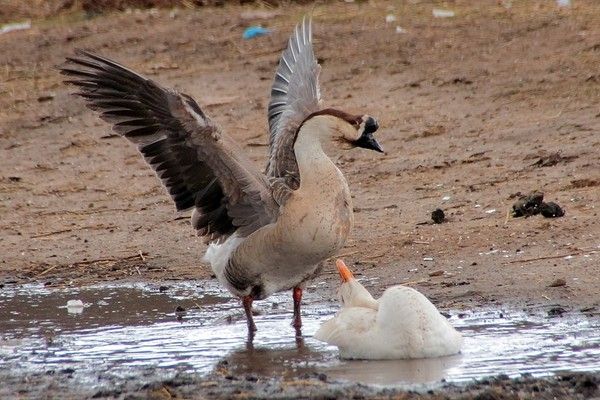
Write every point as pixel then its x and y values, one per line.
pixel 267 231
pixel 200 166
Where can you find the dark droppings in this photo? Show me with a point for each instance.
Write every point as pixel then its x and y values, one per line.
pixel 552 210
pixel 533 204
pixel 438 216
pixel 528 205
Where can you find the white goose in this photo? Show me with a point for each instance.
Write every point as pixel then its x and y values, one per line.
pixel 267 232
pixel 401 324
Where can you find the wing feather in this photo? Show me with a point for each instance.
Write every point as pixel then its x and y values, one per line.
pixel 294 96
pixel 200 166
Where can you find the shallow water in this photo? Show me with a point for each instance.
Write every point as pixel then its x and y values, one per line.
pixel 129 331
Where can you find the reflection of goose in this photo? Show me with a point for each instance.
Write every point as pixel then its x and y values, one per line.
pixel 271 359
pixel 390 372
pixel 401 324
pixel 267 232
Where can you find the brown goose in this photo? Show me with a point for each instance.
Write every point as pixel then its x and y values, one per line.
pixel 267 232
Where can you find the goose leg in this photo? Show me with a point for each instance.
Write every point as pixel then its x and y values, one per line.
pixel 297 295
pixel 247 302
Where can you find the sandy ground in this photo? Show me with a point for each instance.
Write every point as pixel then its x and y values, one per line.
pixel 473 110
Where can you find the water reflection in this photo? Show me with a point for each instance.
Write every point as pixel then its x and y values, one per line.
pixel 125 330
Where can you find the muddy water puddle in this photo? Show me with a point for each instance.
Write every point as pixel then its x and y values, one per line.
pixel 133 331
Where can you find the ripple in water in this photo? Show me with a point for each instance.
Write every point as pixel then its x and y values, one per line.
pixel 128 331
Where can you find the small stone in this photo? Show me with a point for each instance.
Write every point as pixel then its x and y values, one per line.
pixel 441 13
pixel 45 97
pixel 556 312
pixel 438 216
pixel 558 282
pixel 439 272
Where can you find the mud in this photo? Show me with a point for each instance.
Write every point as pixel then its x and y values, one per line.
pixel 141 333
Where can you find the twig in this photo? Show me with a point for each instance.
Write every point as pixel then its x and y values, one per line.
pixel 51 233
pixel 141 256
pixel 344 255
pixel 83 212
pixel 79 228
pixel 100 260
pixel 44 272
pixel 420 242
pixel 542 258
pixel 375 256
pixel 415 282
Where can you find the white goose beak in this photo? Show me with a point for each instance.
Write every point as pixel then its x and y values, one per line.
pixel 345 273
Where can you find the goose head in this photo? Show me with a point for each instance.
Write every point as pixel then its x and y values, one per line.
pixel 351 292
pixel 348 130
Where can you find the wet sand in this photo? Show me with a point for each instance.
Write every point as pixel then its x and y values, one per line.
pixel 132 337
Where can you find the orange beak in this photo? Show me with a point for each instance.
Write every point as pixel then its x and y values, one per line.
pixel 343 270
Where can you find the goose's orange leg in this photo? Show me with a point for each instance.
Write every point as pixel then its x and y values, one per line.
pixel 297 295
pixel 247 302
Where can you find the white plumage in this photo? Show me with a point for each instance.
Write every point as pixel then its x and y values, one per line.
pixel 401 324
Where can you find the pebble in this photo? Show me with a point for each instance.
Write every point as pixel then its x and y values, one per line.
pixel 558 282
pixel 437 273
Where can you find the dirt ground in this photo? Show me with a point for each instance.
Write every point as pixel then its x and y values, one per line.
pixel 472 110
pixel 223 386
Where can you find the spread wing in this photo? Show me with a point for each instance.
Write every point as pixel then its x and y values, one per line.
pixel 294 96
pixel 201 167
